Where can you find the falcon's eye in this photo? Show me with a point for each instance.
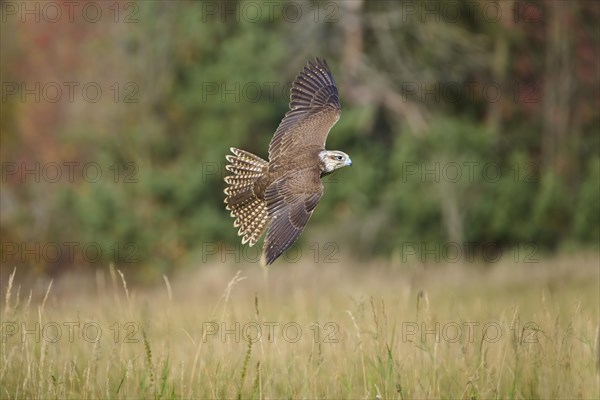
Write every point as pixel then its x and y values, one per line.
pixel 340 158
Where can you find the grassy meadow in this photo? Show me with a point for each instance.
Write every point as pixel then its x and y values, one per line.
pixel 344 330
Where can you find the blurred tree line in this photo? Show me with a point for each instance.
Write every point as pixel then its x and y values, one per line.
pixel 467 122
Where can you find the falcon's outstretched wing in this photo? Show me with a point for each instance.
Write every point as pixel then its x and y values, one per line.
pixel 290 201
pixel 314 109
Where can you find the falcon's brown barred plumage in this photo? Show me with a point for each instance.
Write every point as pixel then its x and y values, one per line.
pixel 282 193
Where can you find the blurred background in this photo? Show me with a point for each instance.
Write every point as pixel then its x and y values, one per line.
pixel 471 124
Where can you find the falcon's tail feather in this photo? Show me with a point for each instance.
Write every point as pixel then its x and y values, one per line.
pixel 249 211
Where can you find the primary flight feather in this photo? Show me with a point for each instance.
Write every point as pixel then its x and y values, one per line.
pixel 279 196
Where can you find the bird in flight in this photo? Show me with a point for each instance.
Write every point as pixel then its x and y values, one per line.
pixel 280 195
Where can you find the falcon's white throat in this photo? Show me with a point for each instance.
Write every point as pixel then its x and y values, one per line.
pixel 333 160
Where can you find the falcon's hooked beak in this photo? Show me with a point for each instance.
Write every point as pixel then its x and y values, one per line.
pixel 333 160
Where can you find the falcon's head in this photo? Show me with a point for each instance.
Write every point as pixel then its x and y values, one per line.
pixel 333 160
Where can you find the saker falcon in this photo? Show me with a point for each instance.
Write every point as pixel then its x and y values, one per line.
pixel 281 194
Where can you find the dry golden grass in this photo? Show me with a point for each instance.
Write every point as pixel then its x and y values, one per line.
pixel 328 331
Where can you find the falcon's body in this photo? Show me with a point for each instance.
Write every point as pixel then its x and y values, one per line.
pixel 282 193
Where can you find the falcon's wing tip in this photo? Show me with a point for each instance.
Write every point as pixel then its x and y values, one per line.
pixel 316 62
pixel 267 258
